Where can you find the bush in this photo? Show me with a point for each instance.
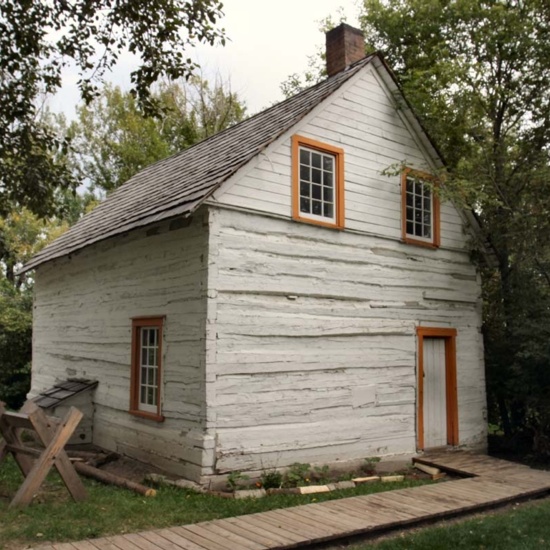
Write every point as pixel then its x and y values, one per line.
pixel 15 344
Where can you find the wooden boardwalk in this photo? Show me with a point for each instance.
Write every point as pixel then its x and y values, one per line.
pixel 491 482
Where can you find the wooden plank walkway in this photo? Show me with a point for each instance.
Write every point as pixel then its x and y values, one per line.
pixel 491 482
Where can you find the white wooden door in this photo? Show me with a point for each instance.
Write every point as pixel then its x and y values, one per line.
pixel 435 400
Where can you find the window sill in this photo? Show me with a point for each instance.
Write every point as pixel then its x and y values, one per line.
pixel 147 415
pixel 415 242
pixel 330 225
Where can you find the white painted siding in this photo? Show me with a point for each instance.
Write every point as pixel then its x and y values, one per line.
pixel 314 353
pixel 82 328
pixel 362 119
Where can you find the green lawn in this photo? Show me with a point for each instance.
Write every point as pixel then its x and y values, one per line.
pixel 110 510
pixel 524 527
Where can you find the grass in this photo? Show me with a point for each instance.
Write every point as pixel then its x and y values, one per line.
pixel 53 516
pixel 524 527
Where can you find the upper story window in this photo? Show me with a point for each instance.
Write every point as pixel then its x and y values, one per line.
pixel 317 182
pixel 146 374
pixel 420 209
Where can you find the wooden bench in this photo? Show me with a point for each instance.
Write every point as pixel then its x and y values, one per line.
pixel 36 463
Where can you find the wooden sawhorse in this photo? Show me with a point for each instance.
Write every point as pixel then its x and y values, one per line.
pixel 53 434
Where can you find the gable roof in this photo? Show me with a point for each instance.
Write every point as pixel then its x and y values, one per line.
pixel 179 184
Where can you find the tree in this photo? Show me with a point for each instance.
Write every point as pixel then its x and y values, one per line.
pixel 38 39
pixel 22 234
pixel 478 73
pixel 113 139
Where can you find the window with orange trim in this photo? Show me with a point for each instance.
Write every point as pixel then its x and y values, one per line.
pixel 146 374
pixel 420 209
pixel 317 182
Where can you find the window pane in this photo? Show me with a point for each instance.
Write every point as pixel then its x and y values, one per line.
pixel 316 192
pixel 409 228
pixel 409 199
pixel 410 186
pixel 305 173
pixel 143 395
pixel 316 160
pixel 328 163
pixel 418 202
pixel 144 356
pixel 317 208
pixel 143 375
pixel 327 194
pixel 153 337
pixel 327 179
pixel 150 396
pixel 304 156
pixel 144 336
pixel 427 204
pixel 304 205
pixel 152 356
pixel 304 189
pixel 328 210
pixel 316 175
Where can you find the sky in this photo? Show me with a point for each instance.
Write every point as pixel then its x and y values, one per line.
pixel 268 41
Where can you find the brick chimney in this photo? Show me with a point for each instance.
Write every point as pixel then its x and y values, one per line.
pixel 345 45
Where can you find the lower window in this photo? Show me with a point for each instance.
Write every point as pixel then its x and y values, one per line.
pixel 146 376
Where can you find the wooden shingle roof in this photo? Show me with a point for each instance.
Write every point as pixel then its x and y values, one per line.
pixel 177 185
pixel 62 391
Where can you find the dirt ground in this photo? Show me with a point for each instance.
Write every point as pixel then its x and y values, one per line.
pixel 121 465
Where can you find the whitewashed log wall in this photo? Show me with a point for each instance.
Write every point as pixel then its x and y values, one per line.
pixel 311 349
pixel 82 328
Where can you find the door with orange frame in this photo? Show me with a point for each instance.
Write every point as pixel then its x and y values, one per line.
pixel 437 412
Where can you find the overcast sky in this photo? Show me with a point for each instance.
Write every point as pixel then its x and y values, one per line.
pixel 268 41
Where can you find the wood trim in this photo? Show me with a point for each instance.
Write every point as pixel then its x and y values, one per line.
pixel 147 415
pixel 137 323
pixel 436 241
pixel 451 392
pixel 339 173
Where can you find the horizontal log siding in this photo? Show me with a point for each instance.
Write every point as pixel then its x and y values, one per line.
pixel 312 349
pixel 364 121
pixel 82 328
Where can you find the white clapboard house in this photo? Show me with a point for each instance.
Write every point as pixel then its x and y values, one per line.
pixel 270 295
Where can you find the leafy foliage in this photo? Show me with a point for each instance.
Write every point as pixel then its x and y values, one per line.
pixel 113 139
pixel 15 343
pixel 22 234
pixel 39 39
